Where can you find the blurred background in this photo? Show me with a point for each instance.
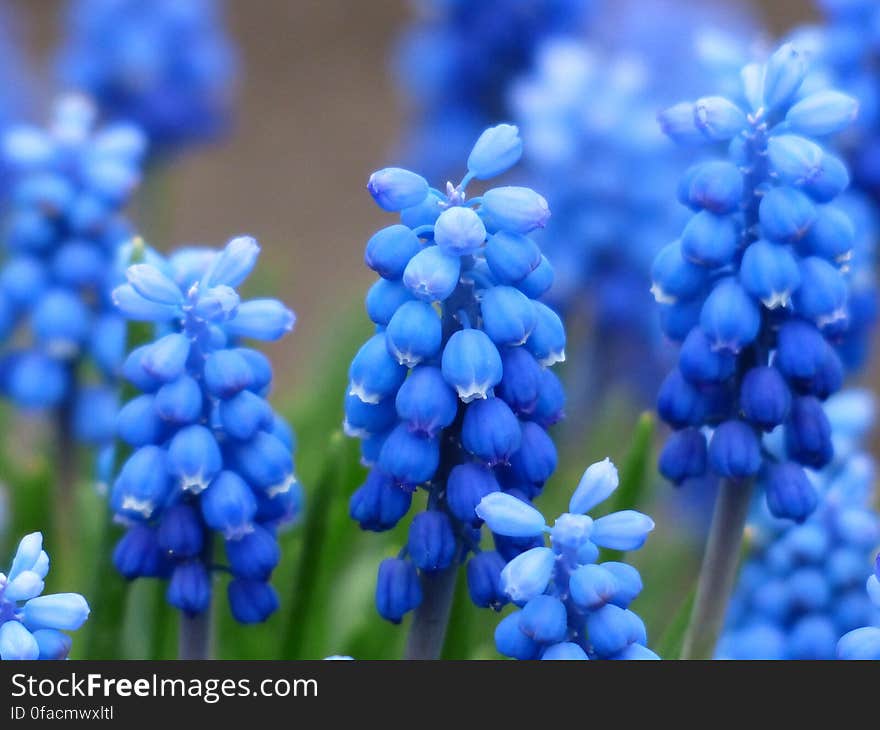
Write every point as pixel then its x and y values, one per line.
pixel 317 113
pixel 319 107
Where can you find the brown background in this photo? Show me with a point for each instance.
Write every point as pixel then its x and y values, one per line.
pixel 317 113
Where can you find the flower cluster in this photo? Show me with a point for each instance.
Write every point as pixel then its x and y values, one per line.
pixel 31 625
pixel 455 63
pixel 571 606
pixel 846 48
pixel 166 65
pixel 756 287
pixel 588 108
pixel 453 392
pixel 802 587
pixel 64 235
pixel 592 139
pixel 210 455
pixel 863 643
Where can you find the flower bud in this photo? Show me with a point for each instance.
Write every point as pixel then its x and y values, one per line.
pixel 783 75
pixel 414 333
pixel 823 113
pixel 498 149
pixel 544 619
pixel 512 642
pixel 398 589
pixel 491 431
pixel 228 505
pixel 718 118
pixel 432 274
pixel 466 485
pixel 426 402
pixel 699 363
pixel 769 272
pixel 194 458
pixel 471 364
pixel 506 515
pixel 734 451
pixel 251 601
pixel 790 494
pixel 190 588
pixel 253 555
pixel 729 317
pixel 764 397
pixel 509 316
pixel 515 209
pixel 374 373
pixel 808 433
pixel 597 484
pixel 409 458
pixel 484 580
pixel 394 189
pixel 390 250
pixel 180 531
pixel 459 231
pixel 786 214
pixel 512 257
pixel 431 544
pixel 528 574
pixel 379 504
pixel 684 456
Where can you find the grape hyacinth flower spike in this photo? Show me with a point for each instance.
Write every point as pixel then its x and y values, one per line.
pixel 166 65
pixel 756 290
pixel 440 66
pixel 803 585
pixel 32 626
pixel 570 605
pixel 453 393
pixel 69 186
pixel 863 643
pixel 210 456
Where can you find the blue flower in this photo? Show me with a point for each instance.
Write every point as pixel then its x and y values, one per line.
pixel 166 65
pixel 31 624
pixel 570 605
pixel 587 107
pixel 766 310
pixel 453 393
pixel 69 185
pixel 454 92
pixel 801 592
pixel 209 453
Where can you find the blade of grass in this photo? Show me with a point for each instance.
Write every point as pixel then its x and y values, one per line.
pixel 635 473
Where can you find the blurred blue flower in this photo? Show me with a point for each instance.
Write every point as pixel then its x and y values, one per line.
pixel 570 605
pixel 454 64
pixel 209 455
pixel 757 287
pixel 453 393
pixel 588 107
pixel 845 49
pixel 803 586
pixel 32 625
pixel 166 65
pixel 65 234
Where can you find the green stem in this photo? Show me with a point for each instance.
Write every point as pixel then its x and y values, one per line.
pixel 162 618
pixel 718 571
pixel 194 640
pixel 314 549
pixel 431 618
pixel 108 601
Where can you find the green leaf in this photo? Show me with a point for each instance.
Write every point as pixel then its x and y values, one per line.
pixel 321 538
pixel 672 641
pixel 108 599
pixel 636 473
